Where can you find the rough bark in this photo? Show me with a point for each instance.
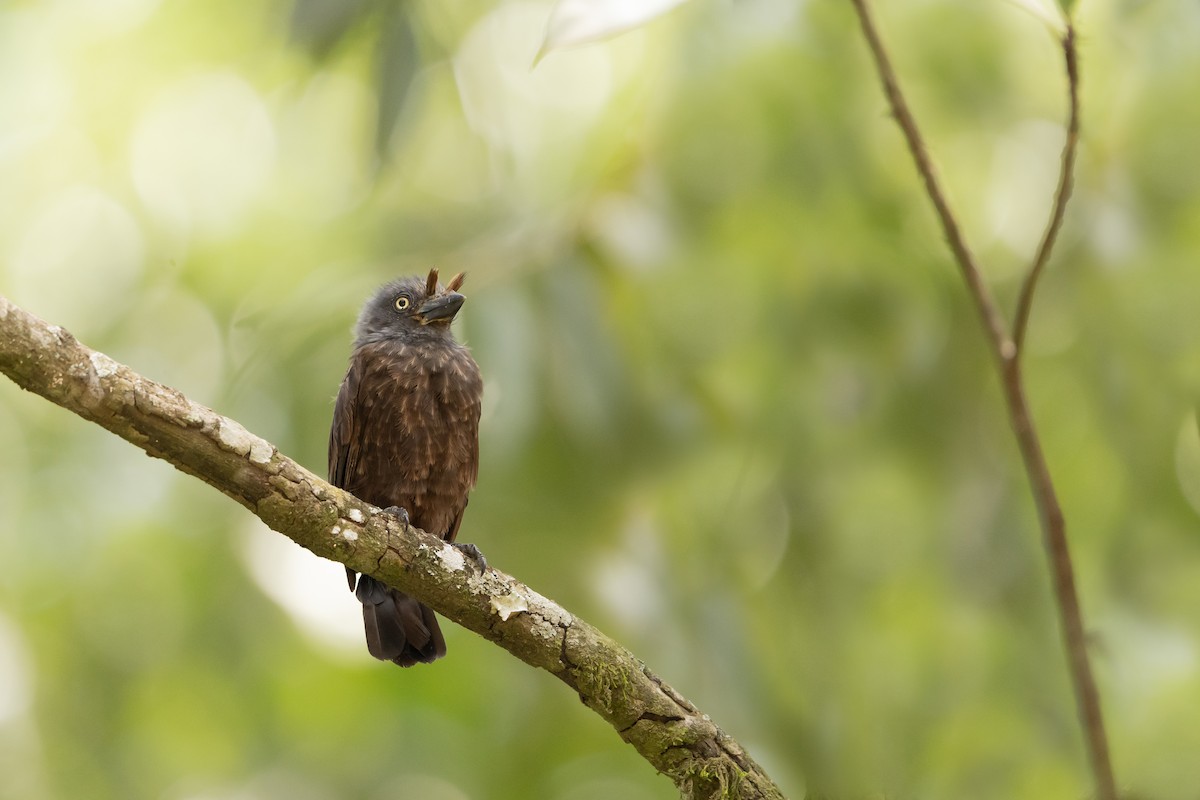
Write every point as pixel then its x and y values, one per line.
pixel 667 730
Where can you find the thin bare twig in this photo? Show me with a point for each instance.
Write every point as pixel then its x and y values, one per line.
pixel 1050 514
pixel 1058 550
pixel 1062 194
pixel 971 272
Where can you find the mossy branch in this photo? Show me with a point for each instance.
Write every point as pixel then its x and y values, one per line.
pixel 667 730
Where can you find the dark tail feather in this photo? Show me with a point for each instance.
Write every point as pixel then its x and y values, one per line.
pixel 399 629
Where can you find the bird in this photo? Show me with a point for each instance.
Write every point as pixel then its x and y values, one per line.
pixel 405 437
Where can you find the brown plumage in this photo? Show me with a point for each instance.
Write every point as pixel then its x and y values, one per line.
pixel 405 435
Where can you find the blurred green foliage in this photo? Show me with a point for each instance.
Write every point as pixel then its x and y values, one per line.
pixel 738 413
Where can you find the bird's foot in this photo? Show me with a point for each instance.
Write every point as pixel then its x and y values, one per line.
pixel 472 554
pixel 397 511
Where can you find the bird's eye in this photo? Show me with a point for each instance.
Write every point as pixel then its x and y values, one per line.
pixel 402 303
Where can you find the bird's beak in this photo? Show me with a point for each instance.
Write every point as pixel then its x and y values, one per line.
pixel 441 308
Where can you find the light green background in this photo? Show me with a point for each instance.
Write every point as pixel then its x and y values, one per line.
pixel 738 411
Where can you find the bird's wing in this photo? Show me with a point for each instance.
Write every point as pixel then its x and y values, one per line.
pixel 454 526
pixel 344 439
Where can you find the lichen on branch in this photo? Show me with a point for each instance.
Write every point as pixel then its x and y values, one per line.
pixel 667 730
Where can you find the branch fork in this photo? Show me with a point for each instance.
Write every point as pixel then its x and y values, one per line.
pixel 1007 349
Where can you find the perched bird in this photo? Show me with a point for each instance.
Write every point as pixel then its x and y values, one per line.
pixel 405 437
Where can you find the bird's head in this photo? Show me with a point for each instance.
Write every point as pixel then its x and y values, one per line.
pixel 410 309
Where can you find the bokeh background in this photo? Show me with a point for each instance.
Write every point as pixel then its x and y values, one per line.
pixel 739 413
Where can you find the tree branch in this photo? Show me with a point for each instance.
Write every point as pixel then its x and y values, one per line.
pixel 989 312
pixel 1062 194
pixel 666 729
pixel 1054 533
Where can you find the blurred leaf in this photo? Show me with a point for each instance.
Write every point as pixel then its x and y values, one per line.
pixel 575 22
pixel 1068 6
pixel 1046 11
pixel 398 63
pixel 321 24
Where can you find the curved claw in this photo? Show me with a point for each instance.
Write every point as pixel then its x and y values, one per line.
pixel 397 511
pixel 472 554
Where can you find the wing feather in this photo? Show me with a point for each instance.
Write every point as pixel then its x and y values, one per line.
pixel 344 439
pixel 344 436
